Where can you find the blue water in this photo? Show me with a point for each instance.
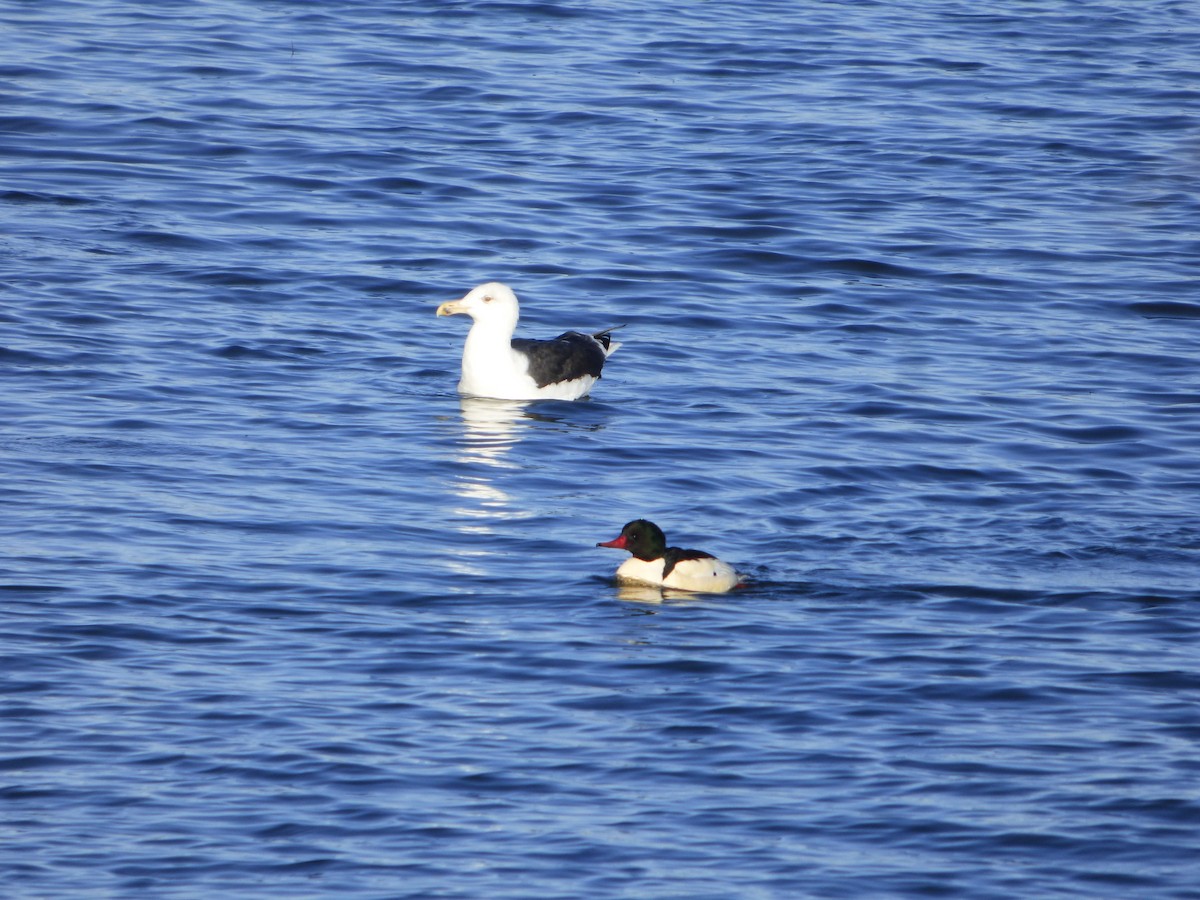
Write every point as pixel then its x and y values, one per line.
pixel 913 324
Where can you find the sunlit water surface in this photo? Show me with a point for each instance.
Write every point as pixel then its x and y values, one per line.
pixel 912 339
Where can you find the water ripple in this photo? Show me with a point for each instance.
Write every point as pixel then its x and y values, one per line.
pixel 910 339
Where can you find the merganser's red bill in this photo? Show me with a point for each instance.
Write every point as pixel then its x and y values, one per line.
pixel 617 542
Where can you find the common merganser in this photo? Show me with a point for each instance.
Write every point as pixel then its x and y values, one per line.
pixel 653 562
pixel 499 366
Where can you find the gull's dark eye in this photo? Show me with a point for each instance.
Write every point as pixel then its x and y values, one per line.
pixel 487 298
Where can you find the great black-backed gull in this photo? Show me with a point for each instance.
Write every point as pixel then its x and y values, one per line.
pixel 497 365
pixel 653 562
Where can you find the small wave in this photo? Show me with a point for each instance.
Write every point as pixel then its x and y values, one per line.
pixel 1166 309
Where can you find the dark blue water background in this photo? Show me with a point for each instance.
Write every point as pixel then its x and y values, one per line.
pixel 913 339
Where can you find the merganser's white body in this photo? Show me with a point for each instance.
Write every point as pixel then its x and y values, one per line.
pixel 707 574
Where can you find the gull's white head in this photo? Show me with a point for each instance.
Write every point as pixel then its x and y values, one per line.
pixel 493 303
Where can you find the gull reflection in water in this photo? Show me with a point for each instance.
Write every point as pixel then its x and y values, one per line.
pixel 485 511
pixel 490 429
